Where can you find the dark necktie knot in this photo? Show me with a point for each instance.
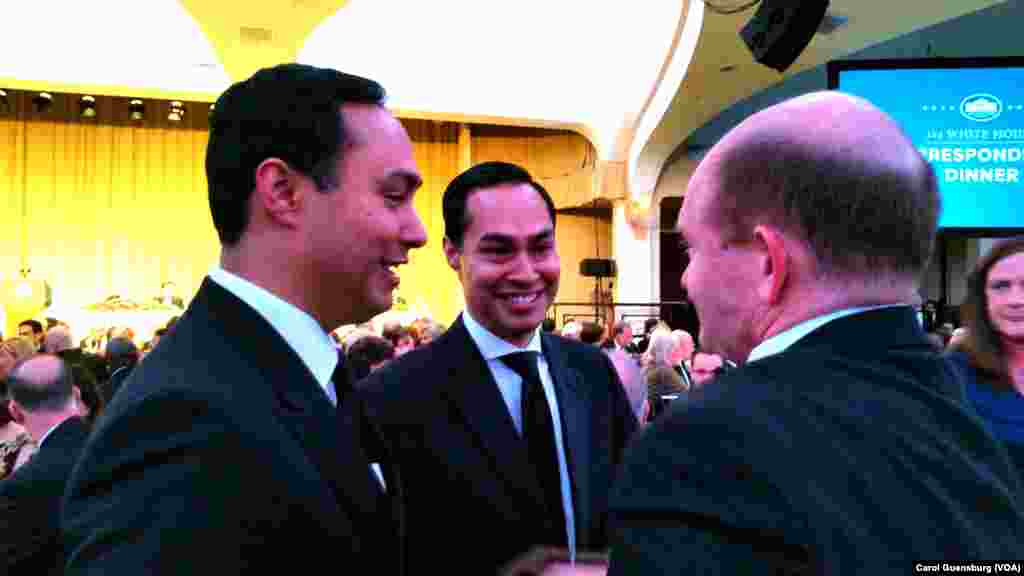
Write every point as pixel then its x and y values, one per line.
pixel 524 364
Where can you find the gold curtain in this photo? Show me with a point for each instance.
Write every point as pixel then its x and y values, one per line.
pixel 100 209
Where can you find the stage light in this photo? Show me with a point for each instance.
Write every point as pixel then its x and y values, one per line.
pixel 137 110
pixel 177 112
pixel 87 107
pixel 42 101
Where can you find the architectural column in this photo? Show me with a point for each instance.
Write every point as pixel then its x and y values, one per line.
pixel 635 250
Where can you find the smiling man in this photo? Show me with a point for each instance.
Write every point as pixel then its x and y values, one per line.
pixel 499 429
pixel 240 432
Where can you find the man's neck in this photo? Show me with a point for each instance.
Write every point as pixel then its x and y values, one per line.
pixel 825 299
pixel 281 281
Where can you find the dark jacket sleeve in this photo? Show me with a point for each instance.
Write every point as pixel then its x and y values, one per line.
pixel 184 493
pixel 683 505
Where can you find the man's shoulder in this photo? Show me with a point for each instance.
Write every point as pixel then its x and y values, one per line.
pixel 47 471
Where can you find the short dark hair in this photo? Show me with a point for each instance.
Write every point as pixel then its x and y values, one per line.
pixel 485 175
pixel 88 387
pixel 366 352
pixel 591 332
pixel 983 344
pixel 121 352
pixel 35 325
pixel 857 215
pixel 291 112
pixel 49 396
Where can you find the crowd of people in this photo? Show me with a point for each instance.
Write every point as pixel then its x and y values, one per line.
pixel 810 427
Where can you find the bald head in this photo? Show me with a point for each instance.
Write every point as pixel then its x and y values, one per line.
pixel 41 383
pixel 58 339
pixel 833 171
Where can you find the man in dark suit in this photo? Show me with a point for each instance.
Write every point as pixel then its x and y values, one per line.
pixel 497 428
pixel 238 440
pixel 840 447
pixel 44 401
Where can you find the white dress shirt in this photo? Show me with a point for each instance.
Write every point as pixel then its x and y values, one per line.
pixel 783 340
pixel 511 387
pixel 306 337
pixel 304 334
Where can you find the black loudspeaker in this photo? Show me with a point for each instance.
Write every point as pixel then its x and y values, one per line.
pixel 781 29
pixel 597 268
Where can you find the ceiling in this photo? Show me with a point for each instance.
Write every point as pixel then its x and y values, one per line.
pixel 723 71
pixel 637 78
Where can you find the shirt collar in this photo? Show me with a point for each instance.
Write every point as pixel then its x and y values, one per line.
pixel 304 334
pixel 492 347
pixel 783 340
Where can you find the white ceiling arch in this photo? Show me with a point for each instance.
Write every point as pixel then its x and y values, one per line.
pixel 568 63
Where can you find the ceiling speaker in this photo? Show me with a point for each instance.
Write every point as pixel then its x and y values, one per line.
pixel 781 29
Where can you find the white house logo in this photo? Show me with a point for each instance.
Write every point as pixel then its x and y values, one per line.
pixel 981 107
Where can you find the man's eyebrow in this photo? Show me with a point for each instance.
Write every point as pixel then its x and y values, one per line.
pixel 497 237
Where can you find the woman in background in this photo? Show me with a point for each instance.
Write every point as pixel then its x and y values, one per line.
pixel 16 445
pixel 992 356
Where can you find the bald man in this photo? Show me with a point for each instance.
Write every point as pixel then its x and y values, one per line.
pixel 45 401
pixel 839 447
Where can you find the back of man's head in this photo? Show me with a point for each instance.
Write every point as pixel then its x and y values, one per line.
pixel 58 339
pixel 836 173
pixel 41 384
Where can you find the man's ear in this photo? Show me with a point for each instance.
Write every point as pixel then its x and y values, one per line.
pixel 774 263
pixel 453 255
pixel 279 194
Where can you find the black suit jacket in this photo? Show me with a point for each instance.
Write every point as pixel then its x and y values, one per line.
pixel 30 540
pixel 470 501
pixel 221 454
pixel 849 453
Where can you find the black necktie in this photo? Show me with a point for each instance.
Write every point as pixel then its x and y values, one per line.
pixel 539 434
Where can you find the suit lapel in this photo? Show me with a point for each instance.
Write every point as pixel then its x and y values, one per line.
pixel 303 408
pixel 475 397
pixel 575 416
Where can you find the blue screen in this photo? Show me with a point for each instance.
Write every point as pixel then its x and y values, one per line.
pixel 969 124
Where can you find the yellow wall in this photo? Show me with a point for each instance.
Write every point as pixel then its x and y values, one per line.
pixel 576 241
